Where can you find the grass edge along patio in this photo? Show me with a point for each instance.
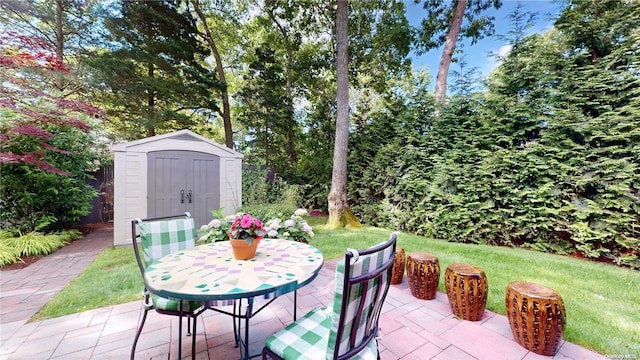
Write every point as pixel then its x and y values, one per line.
pixel 592 291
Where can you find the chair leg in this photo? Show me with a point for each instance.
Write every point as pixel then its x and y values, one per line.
pixel 180 330
pixel 268 354
pixel 236 317
pixel 295 305
pixel 189 326
pixel 135 340
pixel 193 339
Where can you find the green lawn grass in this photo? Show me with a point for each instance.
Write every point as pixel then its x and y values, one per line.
pixel 603 311
pixel 112 278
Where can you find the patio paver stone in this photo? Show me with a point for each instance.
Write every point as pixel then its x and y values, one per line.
pixel 411 328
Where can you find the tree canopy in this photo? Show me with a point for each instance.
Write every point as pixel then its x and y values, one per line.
pixel 47 146
pixel 153 74
pixel 542 154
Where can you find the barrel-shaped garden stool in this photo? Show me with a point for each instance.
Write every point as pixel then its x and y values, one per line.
pixel 423 274
pixel 536 316
pixel 467 290
pixel 397 272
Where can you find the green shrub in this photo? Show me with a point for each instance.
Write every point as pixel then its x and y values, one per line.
pixel 254 185
pixel 70 235
pixel 8 254
pixel 290 196
pixel 32 244
pixel 269 211
pixel 475 177
pixel 36 243
pixel 30 196
pixel 5 234
pixel 256 190
pixel 266 200
pixel 315 196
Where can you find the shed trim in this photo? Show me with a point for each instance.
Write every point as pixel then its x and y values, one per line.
pixel 177 135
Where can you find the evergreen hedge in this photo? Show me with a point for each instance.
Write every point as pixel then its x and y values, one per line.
pixel 547 158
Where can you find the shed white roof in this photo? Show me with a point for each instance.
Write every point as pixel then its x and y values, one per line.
pixel 178 140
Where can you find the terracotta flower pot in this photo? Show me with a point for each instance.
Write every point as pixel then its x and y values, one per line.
pixel 242 250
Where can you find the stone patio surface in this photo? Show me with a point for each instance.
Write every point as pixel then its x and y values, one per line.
pixel 411 328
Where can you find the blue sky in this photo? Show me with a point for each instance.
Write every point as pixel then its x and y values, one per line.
pixel 478 55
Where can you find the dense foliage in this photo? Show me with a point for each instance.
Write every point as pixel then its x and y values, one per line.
pixel 34 198
pixel 546 158
pixel 152 72
pixel 33 243
pixel 46 143
pixel 543 155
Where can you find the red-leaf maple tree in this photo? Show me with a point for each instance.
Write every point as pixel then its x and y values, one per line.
pixel 28 108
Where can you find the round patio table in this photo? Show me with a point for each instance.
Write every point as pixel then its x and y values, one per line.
pixel 210 272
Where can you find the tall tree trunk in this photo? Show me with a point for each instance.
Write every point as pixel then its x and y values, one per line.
pixel 596 12
pixel 291 128
pixel 339 212
pixel 291 125
pixel 266 143
pixel 151 103
pixel 226 109
pixel 447 52
pixel 59 43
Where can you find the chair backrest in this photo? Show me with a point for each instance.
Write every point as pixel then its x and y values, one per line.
pixel 162 236
pixel 362 283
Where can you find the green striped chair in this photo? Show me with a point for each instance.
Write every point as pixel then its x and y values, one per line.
pixel 349 328
pixel 160 237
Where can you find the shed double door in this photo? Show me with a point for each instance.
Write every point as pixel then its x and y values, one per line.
pixel 180 181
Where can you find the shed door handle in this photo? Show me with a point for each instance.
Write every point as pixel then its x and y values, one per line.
pixel 189 196
pixel 181 196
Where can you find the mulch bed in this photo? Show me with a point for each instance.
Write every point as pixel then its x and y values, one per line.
pixel 28 260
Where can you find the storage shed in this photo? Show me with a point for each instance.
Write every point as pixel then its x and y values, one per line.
pixel 172 173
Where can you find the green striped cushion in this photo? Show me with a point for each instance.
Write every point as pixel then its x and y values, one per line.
pixel 362 265
pixel 306 339
pixel 314 335
pixel 160 238
pixel 160 303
